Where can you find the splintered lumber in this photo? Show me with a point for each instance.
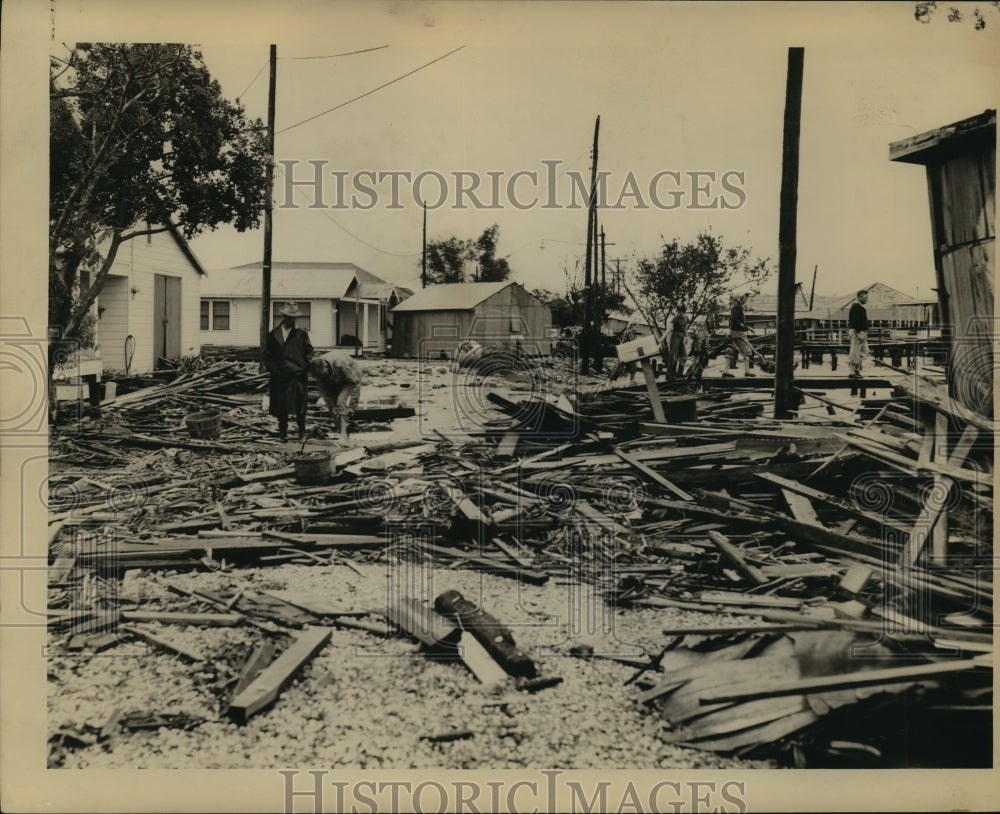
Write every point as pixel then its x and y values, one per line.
pixel 493 636
pixel 843 505
pixel 259 659
pixel 737 559
pixel 156 641
pixel 422 623
pixel 489 564
pixel 315 604
pixel 848 681
pixel 802 509
pixel 507 445
pixel 176 618
pixel 656 477
pixel 264 690
pixel 479 661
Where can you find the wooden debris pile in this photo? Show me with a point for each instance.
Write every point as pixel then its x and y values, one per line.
pixel 863 533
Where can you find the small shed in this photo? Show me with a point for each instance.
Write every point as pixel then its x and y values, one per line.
pixel 435 320
pixel 960 160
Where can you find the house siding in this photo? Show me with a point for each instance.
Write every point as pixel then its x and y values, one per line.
pixel 134 268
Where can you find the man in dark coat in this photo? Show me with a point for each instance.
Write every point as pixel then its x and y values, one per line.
pixel 286 356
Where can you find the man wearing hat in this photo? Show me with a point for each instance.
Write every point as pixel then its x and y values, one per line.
pixel 286 356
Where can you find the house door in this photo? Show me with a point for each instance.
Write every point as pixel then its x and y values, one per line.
pixel 166 318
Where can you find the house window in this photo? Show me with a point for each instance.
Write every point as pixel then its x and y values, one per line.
pixel 215 315
pixel 303 322
pixel 383 318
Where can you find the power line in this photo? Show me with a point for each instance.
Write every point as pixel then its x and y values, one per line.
pixel 373 90
pixel 345 54
pixel 262 67
pixel 327 215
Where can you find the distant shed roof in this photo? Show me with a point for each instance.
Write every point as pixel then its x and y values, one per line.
pixel 451 297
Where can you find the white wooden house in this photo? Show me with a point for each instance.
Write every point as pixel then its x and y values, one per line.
pixel 147 310
pixel 339 302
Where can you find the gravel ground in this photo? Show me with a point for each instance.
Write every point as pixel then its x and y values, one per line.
pixel 365 702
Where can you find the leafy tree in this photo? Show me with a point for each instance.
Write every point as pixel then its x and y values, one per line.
pixel 447 260
pixel 140 135
pixel 491 268
pixel 698 275
pixel 924 10
pixel 567 308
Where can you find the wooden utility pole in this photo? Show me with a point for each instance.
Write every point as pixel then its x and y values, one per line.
pixel 589 342
pixel 784 382
pixel 423 256
pixel 812 291
pixel 604 288
pixel 265 292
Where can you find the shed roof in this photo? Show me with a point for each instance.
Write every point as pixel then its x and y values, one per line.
pixel 451 297
pixel 942 142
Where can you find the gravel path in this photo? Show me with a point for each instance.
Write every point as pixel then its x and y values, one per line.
pixel 365 702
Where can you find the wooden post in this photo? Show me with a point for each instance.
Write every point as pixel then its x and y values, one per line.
pixel 587 338
pixel 784 383
pixel 654 391
pixel 423 256
pixel 265 293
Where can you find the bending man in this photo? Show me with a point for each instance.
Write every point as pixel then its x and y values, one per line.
pixel 338 376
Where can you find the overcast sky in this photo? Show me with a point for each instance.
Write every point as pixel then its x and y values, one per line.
pixel 679 88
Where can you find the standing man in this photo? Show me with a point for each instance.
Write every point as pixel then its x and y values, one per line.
pixel 338 376
pixel 286 356
pixel 857 324
pixel 675 349
pixel 738 332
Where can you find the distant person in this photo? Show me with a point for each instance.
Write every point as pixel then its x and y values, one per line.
pixel 286 357
pixel 698 357
pixel 857 325
pixel 738 333
pixel 676 353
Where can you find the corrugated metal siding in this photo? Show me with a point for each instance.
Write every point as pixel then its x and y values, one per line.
pixel 506 316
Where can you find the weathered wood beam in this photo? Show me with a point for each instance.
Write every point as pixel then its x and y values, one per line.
pixel 264 690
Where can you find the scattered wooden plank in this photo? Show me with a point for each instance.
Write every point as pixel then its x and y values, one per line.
pixel 656 477
pixel 737 559
pixel 163 644
pixel 508 445
pixel 261 656
pixel 802 509
pixel 178 618
pixel 264 690
pixel 479 661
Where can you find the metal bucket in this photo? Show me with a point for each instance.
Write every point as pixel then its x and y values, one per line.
pixel 207 424
pixel 312 467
